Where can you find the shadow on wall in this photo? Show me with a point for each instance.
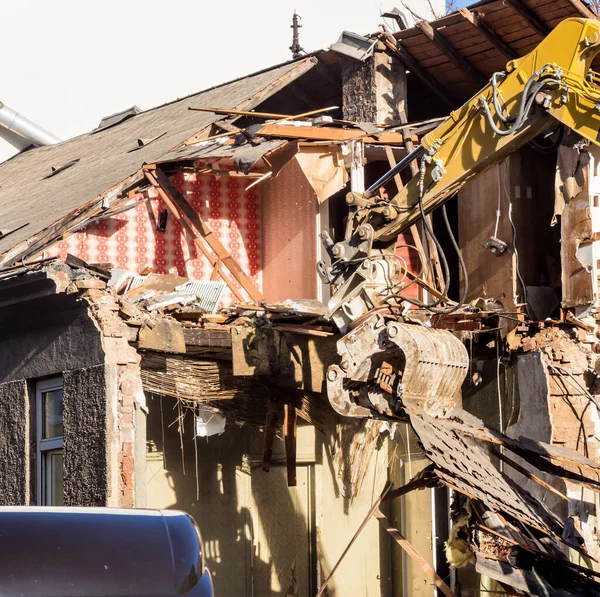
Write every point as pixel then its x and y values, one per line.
pixel 258 534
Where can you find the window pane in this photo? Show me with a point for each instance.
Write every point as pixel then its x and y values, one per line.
pixel 56 478
pixel 52 413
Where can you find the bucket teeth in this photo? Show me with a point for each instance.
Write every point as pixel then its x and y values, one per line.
pixel 398 363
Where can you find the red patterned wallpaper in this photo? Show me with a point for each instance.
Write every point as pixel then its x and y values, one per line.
pixel 131 241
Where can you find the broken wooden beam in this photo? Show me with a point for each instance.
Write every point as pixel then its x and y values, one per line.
pixel 478 22
pixel 290 418
pixel 211 338
pixel 528 16
pixel 243 131
pixel 189 219
pixel 452 54
pixel 431 574
pixel 323 133
pixel 582 8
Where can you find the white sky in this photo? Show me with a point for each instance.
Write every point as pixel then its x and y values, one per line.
pixel 68 63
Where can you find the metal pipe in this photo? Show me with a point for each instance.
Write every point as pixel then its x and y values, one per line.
pixel 15 140
pixel 416 153
pixel 23 127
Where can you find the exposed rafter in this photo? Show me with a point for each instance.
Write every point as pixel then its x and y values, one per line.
pixel 529 16
pixel 478 22
pixel 420 71
pixel 446 47
pixel 584 9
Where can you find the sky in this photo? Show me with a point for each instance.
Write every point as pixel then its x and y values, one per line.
pixel 68 63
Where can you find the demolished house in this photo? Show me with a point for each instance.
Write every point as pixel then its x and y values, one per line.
pixel 167 341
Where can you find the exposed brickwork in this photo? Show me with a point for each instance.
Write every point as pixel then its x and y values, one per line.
pixel 570 365
pixel 104 307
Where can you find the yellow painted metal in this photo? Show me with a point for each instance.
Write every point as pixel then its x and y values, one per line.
pixel 465 144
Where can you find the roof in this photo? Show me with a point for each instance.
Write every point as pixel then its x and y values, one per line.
pixel 33 196
pixel 485 37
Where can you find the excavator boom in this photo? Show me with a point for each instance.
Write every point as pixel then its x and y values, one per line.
pixel 381 357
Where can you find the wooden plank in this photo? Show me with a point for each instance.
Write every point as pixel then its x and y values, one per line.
pixel 272 88
pixel 490 276
pixel 289 430
pixel 282 119
pixel 476 20
pixel 164 184
pixel 207 337
pixel 442 43
pixel 270 430
pixel 529 16
pixel 190 230
pixel 299 329
pixel 413 554
pixel 580 7
pixel 413 65
pixel 321 133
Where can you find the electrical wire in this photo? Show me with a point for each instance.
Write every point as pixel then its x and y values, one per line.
pixel 514 240
pixel 498 208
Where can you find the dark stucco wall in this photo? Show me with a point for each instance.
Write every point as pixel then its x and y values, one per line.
pixel 47 336
pixel 14 443
pixel 85 463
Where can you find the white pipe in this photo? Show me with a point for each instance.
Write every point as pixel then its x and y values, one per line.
pixel 17 124
pixel 15 140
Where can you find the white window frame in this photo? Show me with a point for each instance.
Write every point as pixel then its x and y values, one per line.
pixel 45 447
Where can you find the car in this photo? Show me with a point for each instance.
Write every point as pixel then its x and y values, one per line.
pixel 100 552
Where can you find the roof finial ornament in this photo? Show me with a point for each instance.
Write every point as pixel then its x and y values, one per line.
pixel 296 48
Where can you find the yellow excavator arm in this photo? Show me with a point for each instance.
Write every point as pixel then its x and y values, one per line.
pixel 385 360
pixel 554 82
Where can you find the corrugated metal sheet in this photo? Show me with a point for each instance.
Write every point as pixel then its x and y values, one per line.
pixel 208 292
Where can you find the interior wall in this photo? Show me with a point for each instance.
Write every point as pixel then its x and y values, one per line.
pixel 131 241
pixel 523 182
pixel 289 210
pixel 262 537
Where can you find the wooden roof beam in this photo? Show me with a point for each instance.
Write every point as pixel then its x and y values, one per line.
pixel 529 16
pixel 585 11
pixel 478 22
pixel 448 49
pixel 418 70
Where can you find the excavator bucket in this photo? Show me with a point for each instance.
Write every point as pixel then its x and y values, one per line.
pixel 385 364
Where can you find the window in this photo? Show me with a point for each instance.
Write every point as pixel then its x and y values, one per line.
pixel 49 431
